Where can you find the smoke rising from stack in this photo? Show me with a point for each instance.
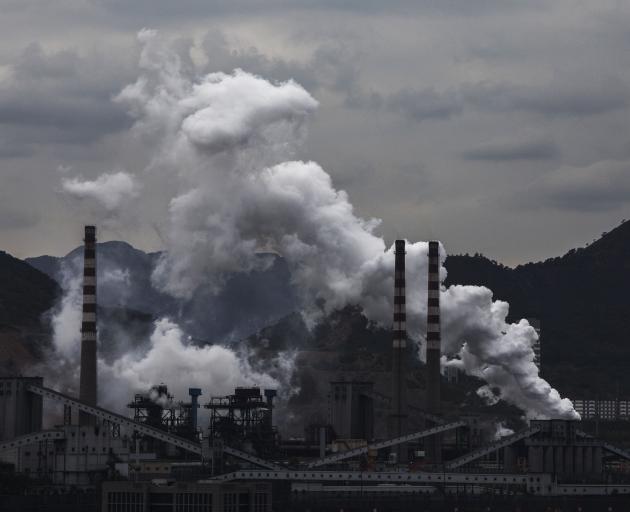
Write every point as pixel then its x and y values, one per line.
pixel 224 145
pixel 167 356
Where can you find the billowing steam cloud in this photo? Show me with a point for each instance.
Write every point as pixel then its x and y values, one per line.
pixel 228 141
pixel 109 190
pixel 171 359
pixel 167 357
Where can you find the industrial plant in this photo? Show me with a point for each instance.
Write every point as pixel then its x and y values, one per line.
pixel 204 452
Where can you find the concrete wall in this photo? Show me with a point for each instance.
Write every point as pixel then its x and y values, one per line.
pixel 20 410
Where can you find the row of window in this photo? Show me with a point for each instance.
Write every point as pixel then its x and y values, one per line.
pixel 193 502
pixel 236 502
pixel 607 409
pixel 125 501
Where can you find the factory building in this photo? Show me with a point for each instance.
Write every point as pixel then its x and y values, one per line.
pixel 559 449
pixel 70 454
pixel 352 409
pixel 199 496
pixel 605 410
pixel 162 460
pixel 20 410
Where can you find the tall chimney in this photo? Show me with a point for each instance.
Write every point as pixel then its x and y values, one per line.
pixel 194 393
pixel 87 387
pixel 434 452
pixel 398 416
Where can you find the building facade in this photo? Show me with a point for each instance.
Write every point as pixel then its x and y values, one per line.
pixel 202 496
pixel 20 410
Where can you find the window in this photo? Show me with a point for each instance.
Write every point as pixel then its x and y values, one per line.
pixel 260 502
pixel 193 502
pixel 161 502
pixel 243 502
pixel 230 502
pixel 125 502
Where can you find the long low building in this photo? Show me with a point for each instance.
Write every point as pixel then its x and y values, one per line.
pixel 186 496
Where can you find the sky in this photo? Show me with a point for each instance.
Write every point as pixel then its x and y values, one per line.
pixel 495 126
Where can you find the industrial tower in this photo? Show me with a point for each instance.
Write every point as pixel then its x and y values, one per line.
pixel 433 446
pixel 87 386
pixel 398 416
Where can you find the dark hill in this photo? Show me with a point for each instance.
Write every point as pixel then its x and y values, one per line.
pixel 583 304
pixel 580 298
pixel 25 293
pixel 247 302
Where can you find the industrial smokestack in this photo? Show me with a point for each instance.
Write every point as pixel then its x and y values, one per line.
pixel 398 415
pixel 194 393
pixel 434 450
pixel 87 387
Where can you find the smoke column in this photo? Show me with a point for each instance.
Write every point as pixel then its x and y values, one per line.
pixel 224 147
pixel 167 356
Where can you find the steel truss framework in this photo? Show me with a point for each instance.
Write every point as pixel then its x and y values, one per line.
pixel 113 417
pixel 273 471
pixel 485 450
pixel 516 479
pixel 384 444
pixel 44 435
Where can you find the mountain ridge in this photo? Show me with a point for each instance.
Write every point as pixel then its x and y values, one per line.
pixel 579 297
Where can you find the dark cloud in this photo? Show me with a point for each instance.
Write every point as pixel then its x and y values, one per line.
pixel 424 104
pixel 602 186
pixel 159 9
pixel 504 152
pixel 332 64
pixel 59 98
pixel 551 100
pixel 560 98
pixel 403 85
pixel 415 105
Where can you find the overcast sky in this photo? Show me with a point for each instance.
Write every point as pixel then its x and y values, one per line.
pixel 496 126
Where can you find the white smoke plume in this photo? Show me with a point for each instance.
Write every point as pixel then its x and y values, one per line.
pixel 501 430
pixel 165 400
pixel 174 361
pixel 110 191
pixel 226 144
pixel 168 357
pixel 66 320
pixel 484 392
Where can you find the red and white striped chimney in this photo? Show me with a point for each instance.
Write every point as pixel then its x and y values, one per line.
pixel 398 415
pixel 433 445
pixel 88 382
pixel 433 329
